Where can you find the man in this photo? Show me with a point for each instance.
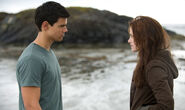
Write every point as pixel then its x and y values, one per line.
pixel 38 71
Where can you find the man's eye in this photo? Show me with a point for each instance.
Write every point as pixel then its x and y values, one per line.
pixel 63 26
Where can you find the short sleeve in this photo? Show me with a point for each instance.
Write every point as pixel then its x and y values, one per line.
pixel 29 71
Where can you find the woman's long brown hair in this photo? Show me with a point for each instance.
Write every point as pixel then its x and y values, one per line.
pixel 149 37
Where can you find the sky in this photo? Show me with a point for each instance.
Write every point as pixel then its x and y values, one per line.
pixel 164 11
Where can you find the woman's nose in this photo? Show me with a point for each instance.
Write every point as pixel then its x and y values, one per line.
pixel 129 40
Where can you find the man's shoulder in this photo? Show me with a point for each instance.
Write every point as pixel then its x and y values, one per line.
pixel 28 57
pixel 30 53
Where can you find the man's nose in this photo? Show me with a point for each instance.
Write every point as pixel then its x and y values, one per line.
pixel 66 30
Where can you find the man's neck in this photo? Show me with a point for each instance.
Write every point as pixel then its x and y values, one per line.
pixel 43 41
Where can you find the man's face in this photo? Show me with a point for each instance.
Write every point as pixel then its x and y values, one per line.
pixel 57 31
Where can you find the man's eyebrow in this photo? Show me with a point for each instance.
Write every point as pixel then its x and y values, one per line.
pixel 62 25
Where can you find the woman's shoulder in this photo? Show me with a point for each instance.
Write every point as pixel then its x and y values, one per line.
pixel 161 60
pixel 155 63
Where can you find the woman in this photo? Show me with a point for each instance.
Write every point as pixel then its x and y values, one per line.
pixel 152 82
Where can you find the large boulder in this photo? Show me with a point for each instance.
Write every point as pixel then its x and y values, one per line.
pixel 85 26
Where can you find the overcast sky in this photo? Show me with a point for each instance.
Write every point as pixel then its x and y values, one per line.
pixel 165 11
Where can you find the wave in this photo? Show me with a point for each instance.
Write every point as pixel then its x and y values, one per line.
pixel 178 28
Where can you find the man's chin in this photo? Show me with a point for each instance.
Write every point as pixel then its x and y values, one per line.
pixel 59 40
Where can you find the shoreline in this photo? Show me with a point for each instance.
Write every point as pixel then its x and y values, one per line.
pixel 13 51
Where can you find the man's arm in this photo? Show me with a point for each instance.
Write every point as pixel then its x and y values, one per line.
pixel 31 97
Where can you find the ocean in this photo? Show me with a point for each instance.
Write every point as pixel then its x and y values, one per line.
pixel 94 79
pixel 106 87
pixel 178 28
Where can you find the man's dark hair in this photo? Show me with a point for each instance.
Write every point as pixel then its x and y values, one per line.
pixel 50 12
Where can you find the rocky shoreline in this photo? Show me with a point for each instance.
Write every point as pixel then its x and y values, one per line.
pixel 85 60
pixel 104 73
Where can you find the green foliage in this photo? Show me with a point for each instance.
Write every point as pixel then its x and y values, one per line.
pixel 3 15
pixel 78 10
pixel 26 15
pixel 177 37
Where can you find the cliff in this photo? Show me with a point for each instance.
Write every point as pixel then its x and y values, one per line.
pixel 85 26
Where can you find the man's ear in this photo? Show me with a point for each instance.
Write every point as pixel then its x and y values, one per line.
pixel 45 26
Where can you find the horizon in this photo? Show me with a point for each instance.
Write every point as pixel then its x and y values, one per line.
pixel 162 11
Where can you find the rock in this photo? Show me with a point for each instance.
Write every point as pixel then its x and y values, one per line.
pixel 85 26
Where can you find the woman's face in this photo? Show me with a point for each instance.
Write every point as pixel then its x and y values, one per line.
pixel 131 41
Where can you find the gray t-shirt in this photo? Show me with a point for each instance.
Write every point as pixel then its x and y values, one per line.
pixel 38 67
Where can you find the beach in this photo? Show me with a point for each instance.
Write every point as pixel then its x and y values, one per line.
pixel 92 79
